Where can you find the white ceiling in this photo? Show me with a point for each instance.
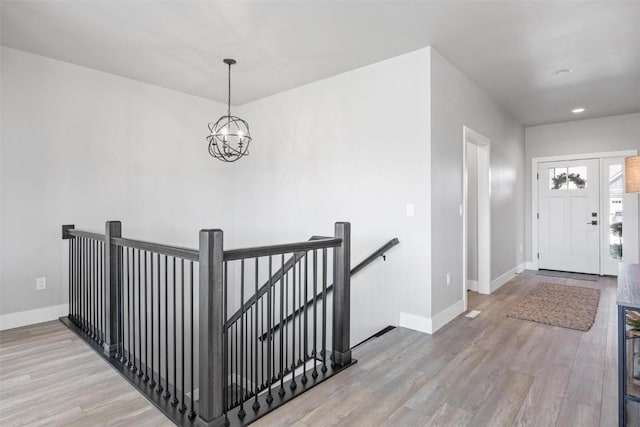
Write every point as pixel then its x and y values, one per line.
pixel 509 48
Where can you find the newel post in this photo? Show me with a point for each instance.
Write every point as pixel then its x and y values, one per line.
pixel 211 328
pixel 342 295
pixel 112 340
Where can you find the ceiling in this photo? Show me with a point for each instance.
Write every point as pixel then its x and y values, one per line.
pixel 509 48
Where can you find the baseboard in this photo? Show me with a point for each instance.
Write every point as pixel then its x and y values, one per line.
pixel 446 316
pixel 30 317
pixel 415 322
pixel 472 285
pixel 521 267
pixel 530 265
pixel 503 278
pixel 431 325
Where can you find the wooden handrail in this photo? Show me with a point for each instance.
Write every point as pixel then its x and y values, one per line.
pixel 259 251
pixel 85 234
pixel 174 251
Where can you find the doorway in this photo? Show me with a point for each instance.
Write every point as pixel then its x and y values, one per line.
pixel 569 216
pixel 476 213
pixel 578 213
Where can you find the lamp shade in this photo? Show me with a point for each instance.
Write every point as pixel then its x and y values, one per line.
pixel 632 174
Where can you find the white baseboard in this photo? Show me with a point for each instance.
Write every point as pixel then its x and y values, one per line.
pixel 431 325
pixel 472 285
pixel 415 322
pixel 30 317
pixel 521 267
pixel 530 265
pixel 503 278
pixel 446 316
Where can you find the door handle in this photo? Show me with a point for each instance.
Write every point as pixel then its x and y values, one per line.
pixel 592 223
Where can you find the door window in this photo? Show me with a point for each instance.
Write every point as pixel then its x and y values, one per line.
pixel 616 193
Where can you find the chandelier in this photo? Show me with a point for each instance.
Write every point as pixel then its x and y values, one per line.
pixel 229 137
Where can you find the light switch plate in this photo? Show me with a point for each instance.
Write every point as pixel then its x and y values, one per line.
pixel 411 209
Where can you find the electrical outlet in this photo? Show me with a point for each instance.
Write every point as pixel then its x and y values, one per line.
pixel 41 283
pixel 448 279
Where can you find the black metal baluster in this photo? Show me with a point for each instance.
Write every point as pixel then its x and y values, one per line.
pixel 140 371
pixel 82 281
pixel 146 325
pixel 306 324
pixel 159 388
pixel 175 401
pixel 284 325
pixel 192 413
pixel 314 373
pixel 227 341
pixel 250 358
pixel 71 278
pixel 241 412
pixel 130 288
pixel 300 355
pixel 101 298
pixel 125 309
pixel 293 384
pixel 90 287
pixel 133 305
pixel 281 390
pixel 79 282
pixel 256 404
pixel 276 297
pixel 324 310
pixel 182 407
pixel 269 338
pixel 87 289
pixel 94 246
pixel 152 381
pixel 235 371
pixel 167 393
pixel 247 352
pixel 120 296
pixel 263 367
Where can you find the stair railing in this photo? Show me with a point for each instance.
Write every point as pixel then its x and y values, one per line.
pixel 380 252
pixel 162 322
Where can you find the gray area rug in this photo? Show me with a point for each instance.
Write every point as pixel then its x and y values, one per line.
pixel 570 307
pixel 567 275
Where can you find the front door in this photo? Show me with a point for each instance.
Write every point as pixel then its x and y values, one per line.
pixel 569 216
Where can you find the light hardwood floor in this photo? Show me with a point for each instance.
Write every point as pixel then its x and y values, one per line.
pixel 48 376
pixel 487 371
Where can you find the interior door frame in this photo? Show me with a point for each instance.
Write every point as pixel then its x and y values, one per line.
pixel 533 265
pixel 484 210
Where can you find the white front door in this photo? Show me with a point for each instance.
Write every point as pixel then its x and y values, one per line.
pixel 569 216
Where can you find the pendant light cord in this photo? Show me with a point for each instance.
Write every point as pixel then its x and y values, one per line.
pixel 229 92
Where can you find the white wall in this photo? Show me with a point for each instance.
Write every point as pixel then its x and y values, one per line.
pixel 81 146
pixel 457 102
pixel 615 133
pixel 355 148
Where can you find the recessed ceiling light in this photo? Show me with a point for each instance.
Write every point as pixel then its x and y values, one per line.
pixel 562 71
pixel 577 110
